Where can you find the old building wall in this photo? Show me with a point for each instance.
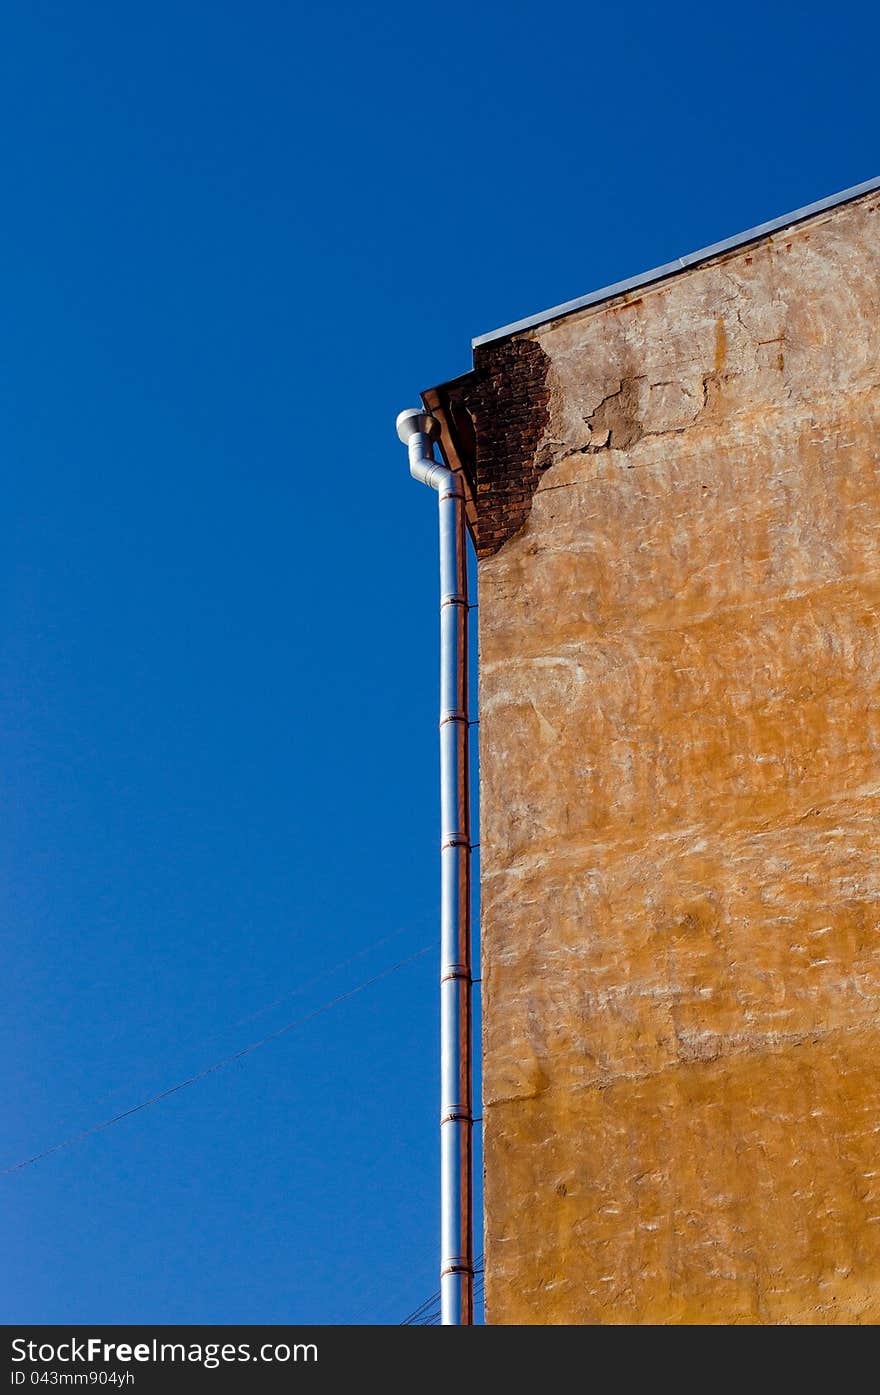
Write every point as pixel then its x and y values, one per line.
pixel 680 749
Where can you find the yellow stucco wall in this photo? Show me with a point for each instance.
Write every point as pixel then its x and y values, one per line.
pixel 680 749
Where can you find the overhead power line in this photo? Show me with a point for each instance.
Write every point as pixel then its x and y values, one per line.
pixel 218 1065
pixel 432 1318
pixel 324 974
pixel 197 1038
pixel 423 1315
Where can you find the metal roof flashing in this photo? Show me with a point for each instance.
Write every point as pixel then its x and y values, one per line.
pixel 660 273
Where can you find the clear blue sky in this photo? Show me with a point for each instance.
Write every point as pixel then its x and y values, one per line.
pixel 237 240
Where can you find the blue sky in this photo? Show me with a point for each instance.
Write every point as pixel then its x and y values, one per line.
pixel 237 240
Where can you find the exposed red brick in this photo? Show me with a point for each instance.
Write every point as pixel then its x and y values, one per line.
pixel 506 399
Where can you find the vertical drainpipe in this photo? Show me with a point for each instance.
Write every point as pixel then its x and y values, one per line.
pixel 417 430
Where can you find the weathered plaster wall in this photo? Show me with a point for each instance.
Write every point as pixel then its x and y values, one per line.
pixel 680 746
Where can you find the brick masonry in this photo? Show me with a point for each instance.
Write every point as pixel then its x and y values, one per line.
pixel 506 400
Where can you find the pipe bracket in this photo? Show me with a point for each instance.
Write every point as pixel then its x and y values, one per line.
pixel 453 714
pixel 454 840
pixel 458 972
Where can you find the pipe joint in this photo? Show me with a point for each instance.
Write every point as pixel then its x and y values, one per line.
pixel 453 715
pixel 418 431
pixel 454 840
pixel 456 974
pixel 428 471
pixel 414 422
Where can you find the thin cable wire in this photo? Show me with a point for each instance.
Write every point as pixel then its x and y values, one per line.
pixel 218 1065
pixel 194 1038
pixel 433 1319
pixel 433 1302
pixel 325 973
pixel 413 1319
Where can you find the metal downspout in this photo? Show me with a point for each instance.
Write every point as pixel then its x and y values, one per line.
pixel 417 429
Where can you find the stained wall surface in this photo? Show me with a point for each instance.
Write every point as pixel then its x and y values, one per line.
pixel 680 749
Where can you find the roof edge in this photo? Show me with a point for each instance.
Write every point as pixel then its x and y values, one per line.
pixel 659 273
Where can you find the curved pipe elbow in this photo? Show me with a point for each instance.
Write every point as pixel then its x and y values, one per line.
pixel 417 430
pixel 436 476
pixel 424 468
